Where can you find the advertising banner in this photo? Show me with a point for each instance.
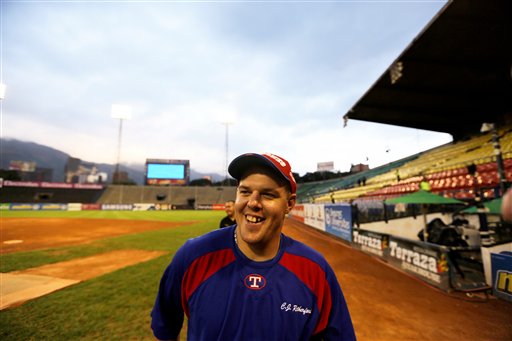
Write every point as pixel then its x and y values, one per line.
pixel 325 166
pixel 38 207
pixel 117 207
pixel 314 216
pixel 74 206
pixel 164 207
pixel 204 206
pixel 143 207
pixel 9 183
pixel 55 185
pixel 501 264
pixel 24 207
pixel 53 207
pixel 43 184
pixel 297 213
pixel 91 207
pixel 88 186
pixel 338 220
pixel 370 242
pixel 426 261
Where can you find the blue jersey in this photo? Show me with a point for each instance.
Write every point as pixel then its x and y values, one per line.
pixel 227 296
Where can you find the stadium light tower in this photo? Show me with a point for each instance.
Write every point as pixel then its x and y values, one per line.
pixel 121 112
pixel 226 116
pixel 227 124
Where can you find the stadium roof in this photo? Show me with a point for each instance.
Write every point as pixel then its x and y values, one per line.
pixel 455 75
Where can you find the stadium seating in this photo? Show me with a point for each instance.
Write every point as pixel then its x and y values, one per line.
pixel 180 196
pixel 446 168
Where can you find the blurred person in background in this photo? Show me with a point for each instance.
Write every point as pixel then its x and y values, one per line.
pixel 229 207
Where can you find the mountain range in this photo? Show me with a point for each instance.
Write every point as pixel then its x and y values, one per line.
pixel 47 157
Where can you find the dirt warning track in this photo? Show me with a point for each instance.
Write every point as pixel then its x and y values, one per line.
pixel 387 304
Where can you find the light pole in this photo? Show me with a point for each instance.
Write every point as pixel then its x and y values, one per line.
pixel 121 112
pixel 226 124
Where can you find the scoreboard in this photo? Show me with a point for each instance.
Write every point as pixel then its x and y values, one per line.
pixel 167 172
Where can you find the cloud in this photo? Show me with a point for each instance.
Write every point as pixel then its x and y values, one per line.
pixel 283 73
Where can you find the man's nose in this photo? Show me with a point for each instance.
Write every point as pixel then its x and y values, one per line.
pixel 254 200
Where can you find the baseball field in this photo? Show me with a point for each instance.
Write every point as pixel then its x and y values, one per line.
pixel 111 261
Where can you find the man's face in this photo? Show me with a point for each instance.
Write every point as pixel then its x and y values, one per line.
pixel 229 207
pixel 262 203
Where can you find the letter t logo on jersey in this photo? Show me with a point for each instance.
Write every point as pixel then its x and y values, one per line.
pixel 255 281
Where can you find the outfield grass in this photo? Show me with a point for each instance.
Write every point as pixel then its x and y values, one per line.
pixel 114 306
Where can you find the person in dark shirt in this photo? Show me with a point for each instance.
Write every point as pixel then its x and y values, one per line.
pixel 229 207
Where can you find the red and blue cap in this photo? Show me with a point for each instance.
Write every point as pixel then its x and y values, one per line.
pixel 280 166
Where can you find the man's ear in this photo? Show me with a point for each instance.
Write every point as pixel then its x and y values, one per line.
pixel 292 199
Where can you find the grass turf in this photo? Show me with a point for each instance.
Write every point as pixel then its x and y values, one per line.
pixel 110 307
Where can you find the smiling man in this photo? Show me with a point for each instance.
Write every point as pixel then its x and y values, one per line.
pixel 249 281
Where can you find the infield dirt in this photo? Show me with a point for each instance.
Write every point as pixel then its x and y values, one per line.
pixel 52 232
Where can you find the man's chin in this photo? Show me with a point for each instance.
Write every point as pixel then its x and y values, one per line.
pixel 251 235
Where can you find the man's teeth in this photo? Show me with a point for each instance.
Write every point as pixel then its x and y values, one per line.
pixel 252 219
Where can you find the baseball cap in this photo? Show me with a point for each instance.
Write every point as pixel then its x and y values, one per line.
pixel 280 166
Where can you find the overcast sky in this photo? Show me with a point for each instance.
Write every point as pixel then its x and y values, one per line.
pixel 283 72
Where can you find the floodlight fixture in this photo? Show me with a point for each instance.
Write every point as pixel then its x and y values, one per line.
pixel 395 71
pixel 487 127
pixel 121 111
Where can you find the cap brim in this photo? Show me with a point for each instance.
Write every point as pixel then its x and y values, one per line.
pixel 242 163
